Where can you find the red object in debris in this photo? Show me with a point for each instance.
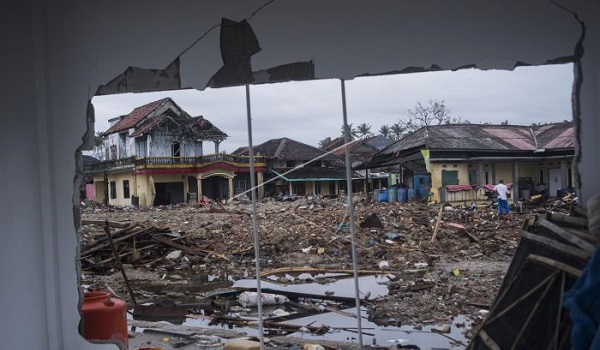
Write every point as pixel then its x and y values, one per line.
pixel 104 317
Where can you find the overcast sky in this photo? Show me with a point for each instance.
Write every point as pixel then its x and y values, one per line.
pixel 311 111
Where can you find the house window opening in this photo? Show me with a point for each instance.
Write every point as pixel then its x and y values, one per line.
pixel 113 190
pixel 473 177
pixel 449 177
pixel 542 179
pixel 126 189
pixel 122 145
pixel 332 188
pixel 176 149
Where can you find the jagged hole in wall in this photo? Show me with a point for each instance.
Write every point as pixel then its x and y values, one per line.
pixel 143 126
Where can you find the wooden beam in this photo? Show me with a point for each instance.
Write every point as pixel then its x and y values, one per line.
pixel 199 252
pixel 563 233
pixel 556 245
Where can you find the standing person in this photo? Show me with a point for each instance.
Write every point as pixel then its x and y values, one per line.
pixel 502 191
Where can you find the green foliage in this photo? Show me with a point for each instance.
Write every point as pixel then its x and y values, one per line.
pixel 98 138
pixel 324 142
pixel 352 129
pixel 385 131
pixel 364 130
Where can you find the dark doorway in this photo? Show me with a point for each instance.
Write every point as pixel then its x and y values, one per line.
pixel 215 188
pixel 168 193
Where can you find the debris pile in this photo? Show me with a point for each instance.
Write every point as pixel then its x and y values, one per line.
pixel 442 260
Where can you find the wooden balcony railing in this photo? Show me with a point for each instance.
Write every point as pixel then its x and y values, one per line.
pixel 109 165
pixel 152 162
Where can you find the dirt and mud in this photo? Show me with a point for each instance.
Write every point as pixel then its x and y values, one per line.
pixel 439 261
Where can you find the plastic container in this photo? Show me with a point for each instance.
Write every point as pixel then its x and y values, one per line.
pixel 412 194
pixel 376 194
pixel 104 317
pixel 383 196
pixel 423 193
pixel 250 299
pixel 402 194
pixel 393 194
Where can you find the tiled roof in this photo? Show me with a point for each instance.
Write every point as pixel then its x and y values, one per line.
pixel 288 149
pixel 335 143
pixel 143 121
pixel 203 129
pixel 148 125
pixel 137 115
pixel 360 147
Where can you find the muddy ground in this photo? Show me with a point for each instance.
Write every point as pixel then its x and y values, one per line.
pixel 458 273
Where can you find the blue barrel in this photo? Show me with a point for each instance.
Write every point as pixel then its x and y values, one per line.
pixel 393 194
pixel 376 194
pixel 423 193
pixel 383 196
pixel 412 194
pixel 402 194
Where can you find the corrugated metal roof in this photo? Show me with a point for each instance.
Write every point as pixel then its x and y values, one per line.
pixel 487 137
pixel 556 136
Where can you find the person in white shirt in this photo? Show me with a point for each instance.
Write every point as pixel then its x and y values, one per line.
pixel 502 191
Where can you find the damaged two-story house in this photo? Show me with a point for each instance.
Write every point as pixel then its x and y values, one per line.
pixel 295 168
pixel 155 156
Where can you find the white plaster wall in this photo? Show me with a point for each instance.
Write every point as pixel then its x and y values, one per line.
pixel 130 144
pixel 589 164
pixel 55 54
pixel 161 145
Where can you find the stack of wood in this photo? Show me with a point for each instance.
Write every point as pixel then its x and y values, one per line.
pixel 137 243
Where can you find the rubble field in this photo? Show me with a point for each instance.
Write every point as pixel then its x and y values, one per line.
pixel 441 261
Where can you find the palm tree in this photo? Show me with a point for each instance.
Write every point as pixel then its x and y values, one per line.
pixel 385 131
pixel 324 142
pixel 364 130
pixel 353 131
pixel 397 131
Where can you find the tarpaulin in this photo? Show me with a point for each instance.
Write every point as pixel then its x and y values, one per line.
pixel 456 188
pixel 584 307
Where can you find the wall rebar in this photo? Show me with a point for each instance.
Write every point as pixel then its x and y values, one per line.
pixel 351 213
pixel 255 221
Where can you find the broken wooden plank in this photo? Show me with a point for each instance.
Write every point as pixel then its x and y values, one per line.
pixel 586 235
pixel 123 255
pixel 562 219
pixel 437 222
pixel 117 224
pixel 555 264
pixel 488 341
pixel 115 235
pixel 193 251
pixel 556 245
pixel 584 245
pixel 315 270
